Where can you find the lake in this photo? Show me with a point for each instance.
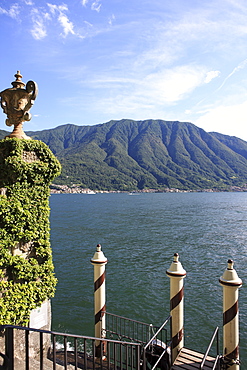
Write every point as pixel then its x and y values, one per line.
pixel 139 235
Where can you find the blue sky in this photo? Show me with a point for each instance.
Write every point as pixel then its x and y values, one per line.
pixel 97 60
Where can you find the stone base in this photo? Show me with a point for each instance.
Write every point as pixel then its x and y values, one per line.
pixel 40 318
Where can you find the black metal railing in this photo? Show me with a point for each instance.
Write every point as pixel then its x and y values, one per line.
pixel 154 339
pixel 122 328
pixel 217 358
pixel 82 352
pixel 128 345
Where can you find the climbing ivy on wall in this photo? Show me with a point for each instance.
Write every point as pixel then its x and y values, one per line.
pixel 27 168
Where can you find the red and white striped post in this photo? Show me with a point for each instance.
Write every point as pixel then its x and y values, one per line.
pixel 176 274
pixel 99 261
pixel 231 283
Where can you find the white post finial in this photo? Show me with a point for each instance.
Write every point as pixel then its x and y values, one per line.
pixel 231 283
pixel 99 261
pixel 175 257
pixel 176 274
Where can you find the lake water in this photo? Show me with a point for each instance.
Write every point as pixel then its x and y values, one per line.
pixel 139 235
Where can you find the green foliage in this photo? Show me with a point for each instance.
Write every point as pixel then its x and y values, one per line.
pixel 131 155
pixel 26 268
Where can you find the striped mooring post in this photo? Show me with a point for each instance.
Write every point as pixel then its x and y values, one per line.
pixel 231 283
pixel 176 274
pixel 99 261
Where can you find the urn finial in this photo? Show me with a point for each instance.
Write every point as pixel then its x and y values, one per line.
pixel 16 102
pixel 18 82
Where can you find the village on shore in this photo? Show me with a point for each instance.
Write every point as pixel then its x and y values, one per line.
pixel 76 189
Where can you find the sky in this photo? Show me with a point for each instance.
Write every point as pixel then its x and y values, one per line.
pixel 101 60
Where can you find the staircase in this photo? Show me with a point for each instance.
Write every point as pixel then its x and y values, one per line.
pixel 191 360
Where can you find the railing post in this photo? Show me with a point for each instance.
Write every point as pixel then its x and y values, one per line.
pixel 138 357
pixel 9 347
pixel 231 283
pixel 176 274
pixel 99 261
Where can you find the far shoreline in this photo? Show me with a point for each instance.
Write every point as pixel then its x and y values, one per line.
pixel 75 189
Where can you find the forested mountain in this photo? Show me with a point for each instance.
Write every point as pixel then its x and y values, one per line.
pixel 129 155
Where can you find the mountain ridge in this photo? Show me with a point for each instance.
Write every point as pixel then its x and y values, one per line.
pixel 127 155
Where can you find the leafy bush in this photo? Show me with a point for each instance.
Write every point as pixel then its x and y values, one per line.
pixel 27 168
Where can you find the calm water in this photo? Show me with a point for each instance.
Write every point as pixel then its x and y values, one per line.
pixel 139 235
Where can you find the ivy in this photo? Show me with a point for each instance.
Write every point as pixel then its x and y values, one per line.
pixel 27 168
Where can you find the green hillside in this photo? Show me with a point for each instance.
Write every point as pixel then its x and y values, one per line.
pixel 129 155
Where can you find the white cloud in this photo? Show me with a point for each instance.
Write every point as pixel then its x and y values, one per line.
pixel 209 29
pixel 187 111
pixel 88 24
pixel 149 96
pixel 67 25
pixel 173 84
pixel 96 6
pixel 13 11
pixel 168 86
pixel 57 8
pixel 28 2
pixel 3 11
pixel 228 120
pixel 211 75
pixel 39 18
pixel 39 28
pixel 111 19
pixel 241 66
pixel 38 32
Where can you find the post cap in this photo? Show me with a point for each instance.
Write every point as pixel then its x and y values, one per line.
pixel 99 257
pixel 176 269
pixel 230 276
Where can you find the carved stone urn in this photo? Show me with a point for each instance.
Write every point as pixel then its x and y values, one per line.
pixel 16 103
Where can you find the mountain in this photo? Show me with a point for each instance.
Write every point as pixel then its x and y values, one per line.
pixel 129 155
